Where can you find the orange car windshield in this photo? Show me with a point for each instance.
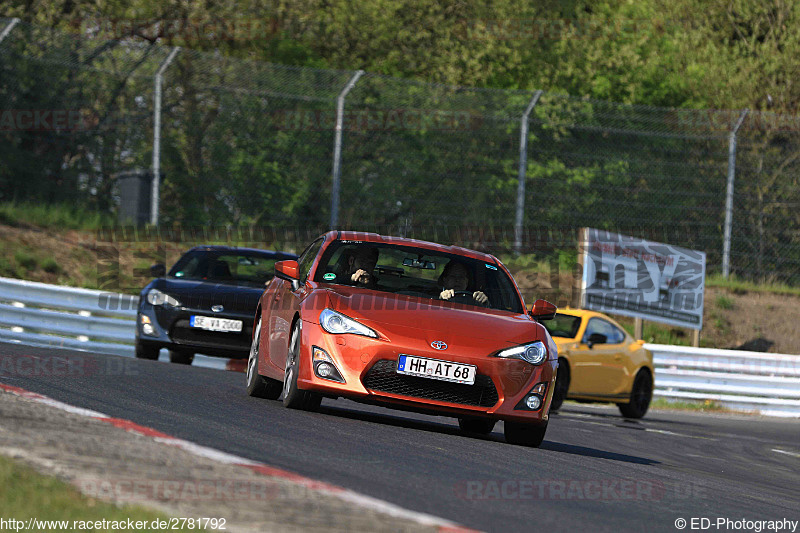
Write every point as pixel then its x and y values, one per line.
pixel 411 271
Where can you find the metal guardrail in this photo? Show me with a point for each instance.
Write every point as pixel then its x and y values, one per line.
pixel 766 383
pixel 40 314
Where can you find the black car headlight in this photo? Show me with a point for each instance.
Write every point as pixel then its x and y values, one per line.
pixel 534 353
pixel 156 297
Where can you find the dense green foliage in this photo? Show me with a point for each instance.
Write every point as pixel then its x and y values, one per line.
pixel 689 53
pixel 247 140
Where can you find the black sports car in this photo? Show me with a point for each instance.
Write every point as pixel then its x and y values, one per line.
pixel 205 304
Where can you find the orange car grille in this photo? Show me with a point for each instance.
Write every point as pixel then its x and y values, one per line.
pixel 383 377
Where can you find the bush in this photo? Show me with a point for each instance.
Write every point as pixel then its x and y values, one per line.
pixel 51 266
pixel 25 260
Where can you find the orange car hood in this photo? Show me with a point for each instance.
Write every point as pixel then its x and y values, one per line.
pixel 375 308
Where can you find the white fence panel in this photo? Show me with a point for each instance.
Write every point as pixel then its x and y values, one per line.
pixel 749 381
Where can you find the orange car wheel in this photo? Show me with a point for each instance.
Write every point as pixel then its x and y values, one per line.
pixel 257 385
pixel 525 434
pixel 293 396
pixel 480 426
pixel 562 385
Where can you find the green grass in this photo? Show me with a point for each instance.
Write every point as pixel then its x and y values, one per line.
pixel 50 265
pixel 26 260
pixel 661 334
pixel 736 285
pixel 7 269
pixel 53 216
pixel 25 494
pixel 724 302
pixel 684 405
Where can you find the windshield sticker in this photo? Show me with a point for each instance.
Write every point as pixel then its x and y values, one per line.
pixel 490 267
pixel 329 276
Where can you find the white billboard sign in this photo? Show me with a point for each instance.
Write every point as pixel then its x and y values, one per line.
pixel 642 279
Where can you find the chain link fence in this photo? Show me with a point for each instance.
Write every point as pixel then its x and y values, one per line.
pixel 245 143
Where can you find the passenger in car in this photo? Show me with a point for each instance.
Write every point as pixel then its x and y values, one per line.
pixel 455 277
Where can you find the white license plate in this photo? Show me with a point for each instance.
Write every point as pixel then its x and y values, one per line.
pixel 436 369
pixel 211 323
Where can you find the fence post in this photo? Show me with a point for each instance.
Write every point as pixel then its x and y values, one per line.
pixel 523 165
pixel 726 244
pixel 8 29
pixel 337 149
pixel 157 136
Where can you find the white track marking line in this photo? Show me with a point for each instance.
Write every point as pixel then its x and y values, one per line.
pixel 223 457
pixel 793 454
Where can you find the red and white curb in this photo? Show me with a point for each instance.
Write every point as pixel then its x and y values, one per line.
pixel 261 468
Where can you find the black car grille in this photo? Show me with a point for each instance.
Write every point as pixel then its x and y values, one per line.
pixel 183 333
pixel 383 377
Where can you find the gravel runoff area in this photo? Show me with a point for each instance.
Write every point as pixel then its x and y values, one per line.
pixel 113 464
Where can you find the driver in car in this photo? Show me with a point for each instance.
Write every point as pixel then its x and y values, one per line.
pixel 361 265
pixel 455 277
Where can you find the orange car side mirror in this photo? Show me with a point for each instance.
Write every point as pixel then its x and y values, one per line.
pixel 543 310
pixel 286 270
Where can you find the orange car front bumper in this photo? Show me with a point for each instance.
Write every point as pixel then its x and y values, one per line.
pixel 368 368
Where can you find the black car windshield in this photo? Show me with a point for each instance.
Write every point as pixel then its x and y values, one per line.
pixel 563 326
pixel 228 266
pixel 420 272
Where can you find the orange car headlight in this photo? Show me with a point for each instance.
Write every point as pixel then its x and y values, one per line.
pixel 534 353
pixel 337 323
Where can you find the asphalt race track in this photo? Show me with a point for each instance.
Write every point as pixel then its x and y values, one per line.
pixel 594 472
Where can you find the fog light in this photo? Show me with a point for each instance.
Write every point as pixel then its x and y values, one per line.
pixel 147 329
pixel 324 367
pixel 324 370
pixel 533 402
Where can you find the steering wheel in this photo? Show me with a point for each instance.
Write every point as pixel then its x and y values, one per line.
pixel 465 297
pixel 462 294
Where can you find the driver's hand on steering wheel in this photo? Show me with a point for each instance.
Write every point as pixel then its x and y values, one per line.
pixel 479 297
pixel 447 294
pixel 360 276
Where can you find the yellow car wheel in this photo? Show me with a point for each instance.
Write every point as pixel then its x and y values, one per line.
pixel 641 394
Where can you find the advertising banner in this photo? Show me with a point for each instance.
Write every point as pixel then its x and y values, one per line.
pixel 642 279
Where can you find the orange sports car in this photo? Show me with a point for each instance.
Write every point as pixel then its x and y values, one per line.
pixel 600 362
pixel 406 324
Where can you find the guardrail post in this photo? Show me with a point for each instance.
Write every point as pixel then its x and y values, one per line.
pixel 337 149
pixel 523 164
pixel 8 29
pixel 726 243
pixel 157 136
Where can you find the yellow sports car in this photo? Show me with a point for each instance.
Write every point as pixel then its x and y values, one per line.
pixel 599 361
